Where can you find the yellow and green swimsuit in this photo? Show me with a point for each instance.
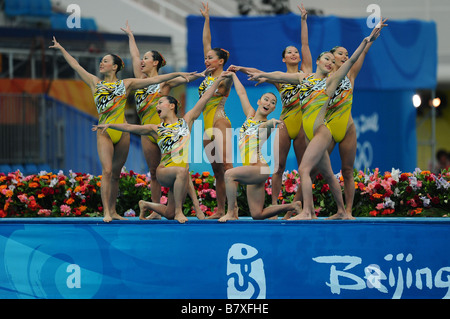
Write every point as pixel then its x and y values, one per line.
pixel 173 141
pixel 313 98
pixel 291 113
pixel 110 99
pixel 249 142
pixel 146 102
pixel 210 110
pixel 339 109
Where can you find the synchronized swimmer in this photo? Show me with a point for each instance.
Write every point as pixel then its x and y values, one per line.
pixel 316 116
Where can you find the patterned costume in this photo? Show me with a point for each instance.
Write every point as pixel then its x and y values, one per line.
pixel 312 98
pixel 291 113
pixel 110 99
pixel 249 142
pixel 146 102
pixel 173 141
pixel 212 110
pixel 339 109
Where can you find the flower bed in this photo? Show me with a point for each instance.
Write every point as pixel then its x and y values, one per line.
pixel 394 193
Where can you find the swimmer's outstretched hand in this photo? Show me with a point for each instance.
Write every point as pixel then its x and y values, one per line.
pixel 206 72
pixel 127 29
pixel 275 122
pixel 205 11
pixel 376 31
pixel 186 75
pixel 303 12
pixel 257 76
pixel 55 45
pixel 100 127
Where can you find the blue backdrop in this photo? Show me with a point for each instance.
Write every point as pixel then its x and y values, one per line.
pixel 402 60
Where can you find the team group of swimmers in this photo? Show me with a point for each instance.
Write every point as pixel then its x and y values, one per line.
pixel 316 115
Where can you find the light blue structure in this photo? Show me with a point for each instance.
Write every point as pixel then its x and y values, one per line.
pixel 86 258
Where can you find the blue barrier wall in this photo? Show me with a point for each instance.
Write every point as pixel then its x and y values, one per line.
pixel 402 60
pixel 86 258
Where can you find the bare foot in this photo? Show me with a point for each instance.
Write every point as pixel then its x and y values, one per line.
pixel 142 210
pixel 199 213
pixel 302 214
pixel 216 215
pixel 229 216
pixel 273 217
pixel 288 215
pixel 297 207
pixel 341 216
pixel 180 218
pixel 153 216
pixel 114 216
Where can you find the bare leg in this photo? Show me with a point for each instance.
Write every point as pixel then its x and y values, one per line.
pixel 220 155
pixel 193 195
pixel 176 179
pixel 255 197
pixel 284 144
pixel 317 156
pixel 112 158
pixel 249 175
pixel 299 144
pixel 161 209
pixel 152 155
pixel 347 152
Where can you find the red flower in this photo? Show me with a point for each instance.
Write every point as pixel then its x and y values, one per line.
pixel 435 200
pixel 325 188
pixel 387 211
pixel 403 177
pixel 47 191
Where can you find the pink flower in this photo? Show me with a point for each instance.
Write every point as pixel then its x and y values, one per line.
pixel 269 190
pixel 163 200
pixel 212 193
pixel 23 198
pixel 380 206
pixel 203 208
pixel 65 209
pixel 44 212
pixel 412 202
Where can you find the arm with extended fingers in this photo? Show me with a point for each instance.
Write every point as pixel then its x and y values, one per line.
pixel 334 80
pixel 352 74
pixel 198 108
pixel 182 80
pixel 242 93
pixel 87 77
pixel 278 76
pixel 206 29
pixel 148 129
pixel 306 65
pixel 133 84
pixel 134 51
